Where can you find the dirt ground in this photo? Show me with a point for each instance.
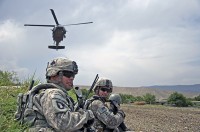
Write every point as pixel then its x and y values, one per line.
pixel 157 118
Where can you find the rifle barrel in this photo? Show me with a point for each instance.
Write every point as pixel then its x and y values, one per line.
pixel 93 84
pixel 30 87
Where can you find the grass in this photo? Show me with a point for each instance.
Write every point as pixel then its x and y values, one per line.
pixel 8 96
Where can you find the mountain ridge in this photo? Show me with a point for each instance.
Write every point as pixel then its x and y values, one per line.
pixel 160 91
pixel 178 88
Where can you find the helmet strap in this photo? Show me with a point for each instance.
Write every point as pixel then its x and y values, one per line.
pixel 60 76
pixel 96 90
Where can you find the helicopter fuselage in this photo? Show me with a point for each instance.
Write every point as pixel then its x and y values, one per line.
pixel 58 34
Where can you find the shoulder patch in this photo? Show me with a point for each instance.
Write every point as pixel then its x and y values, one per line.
pixel 59 106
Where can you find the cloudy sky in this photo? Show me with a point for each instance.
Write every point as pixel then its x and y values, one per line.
pixel 132 42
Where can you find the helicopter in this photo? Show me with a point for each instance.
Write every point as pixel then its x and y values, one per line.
pixel 58 31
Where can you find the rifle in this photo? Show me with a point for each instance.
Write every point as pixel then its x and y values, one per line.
pixel 93 84
pixel 31 85
pixel 80 99
pixel 32 81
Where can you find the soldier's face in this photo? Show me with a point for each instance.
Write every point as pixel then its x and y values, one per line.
pixel 104 92
pixel 68 82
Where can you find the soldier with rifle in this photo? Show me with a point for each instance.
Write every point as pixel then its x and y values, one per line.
pixel 52 109
pixel 105 119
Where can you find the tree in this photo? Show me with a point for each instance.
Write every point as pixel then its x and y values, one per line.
pixel 139 98
pixel 197 98
pixel 127 98
pixel 8 78
pixel 149 98
pixel 178 100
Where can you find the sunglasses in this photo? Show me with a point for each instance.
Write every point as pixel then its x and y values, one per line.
pixel 108 90
pixel 68 74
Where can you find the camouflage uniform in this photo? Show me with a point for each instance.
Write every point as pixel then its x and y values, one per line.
pixel 54 108
pixel 55 112
pixel 105 120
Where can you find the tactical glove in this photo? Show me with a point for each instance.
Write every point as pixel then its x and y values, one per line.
pixel 90 119
pixel 113 108
pixel 89 123
pixel 122 113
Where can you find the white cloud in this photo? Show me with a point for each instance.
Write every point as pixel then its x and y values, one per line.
pixel 10 31
pixel 11 38
pixel 132 42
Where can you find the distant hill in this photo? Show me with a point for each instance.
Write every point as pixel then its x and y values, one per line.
pixel 178 88
pixel 161 92
pixel 140 91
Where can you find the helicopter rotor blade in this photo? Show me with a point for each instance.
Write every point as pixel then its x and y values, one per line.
pixel 54 16
pixel 78 23
pixel 39 25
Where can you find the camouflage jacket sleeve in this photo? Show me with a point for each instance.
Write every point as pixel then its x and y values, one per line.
pixel 59 114
pixel 103 114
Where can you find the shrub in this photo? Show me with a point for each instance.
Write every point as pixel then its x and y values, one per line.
pixel 8 78
pixel 127 98
pixel 27 82
pixel 8 102
pixel 197 98
pixel 149 98
pixel 139 98
pixel 178 100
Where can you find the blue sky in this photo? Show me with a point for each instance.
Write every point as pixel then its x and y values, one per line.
pixel 132 42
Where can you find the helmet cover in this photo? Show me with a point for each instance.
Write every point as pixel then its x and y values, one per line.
pixel 61 64
pixel 103 82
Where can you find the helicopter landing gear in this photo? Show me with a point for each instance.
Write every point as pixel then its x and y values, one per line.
pixel 56 47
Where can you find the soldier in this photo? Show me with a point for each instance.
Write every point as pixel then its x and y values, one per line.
pixel 54 108
pixel 105 119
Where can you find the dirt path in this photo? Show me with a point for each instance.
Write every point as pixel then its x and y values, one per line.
pixel 153 118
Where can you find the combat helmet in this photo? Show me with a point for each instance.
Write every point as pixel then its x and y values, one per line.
pixel 115 97
pixel 103 82
pixel 60 64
